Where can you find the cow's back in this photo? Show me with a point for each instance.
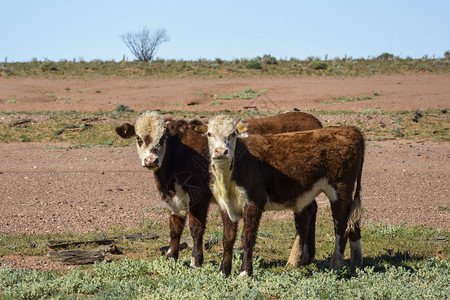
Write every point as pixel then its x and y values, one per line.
pixel 285 122
pixel 297 159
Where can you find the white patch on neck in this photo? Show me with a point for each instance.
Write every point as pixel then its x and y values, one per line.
pixel 179 204
pixel 230 197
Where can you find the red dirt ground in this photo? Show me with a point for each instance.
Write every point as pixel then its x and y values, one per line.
pixel 56 190
pixel 411 91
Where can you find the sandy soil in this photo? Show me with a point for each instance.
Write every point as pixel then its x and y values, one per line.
pixel 412 91
pixel 45 189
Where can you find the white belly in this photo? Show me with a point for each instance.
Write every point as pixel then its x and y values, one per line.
pixel 305 198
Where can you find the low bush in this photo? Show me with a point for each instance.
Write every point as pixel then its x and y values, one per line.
pixel 255 65
pixel 318 65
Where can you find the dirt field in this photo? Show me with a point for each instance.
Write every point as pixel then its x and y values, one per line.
pixel 55 190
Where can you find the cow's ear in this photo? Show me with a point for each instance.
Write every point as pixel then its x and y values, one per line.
pixel 241 128
pixel 125 131
pixel 199 126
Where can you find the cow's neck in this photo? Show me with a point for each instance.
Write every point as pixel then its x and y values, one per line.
pixel 222 174
pixel 163 173
pixel 230 197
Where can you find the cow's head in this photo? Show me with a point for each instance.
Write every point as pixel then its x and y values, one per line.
pixel 150 133
pixel 222 132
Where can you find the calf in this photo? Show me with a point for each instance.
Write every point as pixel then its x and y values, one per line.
pixel 178 154
pixel 286 171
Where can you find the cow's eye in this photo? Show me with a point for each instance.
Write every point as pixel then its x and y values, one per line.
pixel 139 141
pixel 209 134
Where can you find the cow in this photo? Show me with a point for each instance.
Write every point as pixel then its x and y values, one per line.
pixel 178 155
pixel 258 173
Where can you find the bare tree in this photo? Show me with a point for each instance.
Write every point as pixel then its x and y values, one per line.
pixel 145 44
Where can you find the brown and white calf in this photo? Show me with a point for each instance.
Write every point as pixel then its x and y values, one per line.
pixel 178 154
pixel 286 171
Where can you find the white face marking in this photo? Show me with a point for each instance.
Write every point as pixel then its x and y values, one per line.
pixel 221 136
pixel 150 129
pixel 178 205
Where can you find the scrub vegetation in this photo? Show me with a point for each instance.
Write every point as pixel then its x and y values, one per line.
pixel 267 65
pixel 400 261
pixel 87 130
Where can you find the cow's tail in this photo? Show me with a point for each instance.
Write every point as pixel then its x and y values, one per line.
pixel 354 216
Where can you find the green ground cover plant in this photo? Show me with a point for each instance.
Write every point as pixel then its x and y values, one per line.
pixel 400 261
pixel 352 99
pixel 247 93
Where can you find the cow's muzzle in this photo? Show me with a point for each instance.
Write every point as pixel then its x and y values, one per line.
pixel 220 153
pixel 151 162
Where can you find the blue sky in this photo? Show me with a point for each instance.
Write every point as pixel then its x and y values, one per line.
pixel 91 29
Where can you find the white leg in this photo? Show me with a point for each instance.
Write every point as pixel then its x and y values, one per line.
pixel 243 274
pixel 337 259
pixel 192 263
pixel 294 257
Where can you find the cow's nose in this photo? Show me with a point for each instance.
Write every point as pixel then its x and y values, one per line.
pixel 150 161
pixel 220 152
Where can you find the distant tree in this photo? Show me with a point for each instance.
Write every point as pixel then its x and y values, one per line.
pixel 447 54
pixel 385 56
pixel 144 44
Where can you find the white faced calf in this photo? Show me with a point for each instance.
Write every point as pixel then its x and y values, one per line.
pixel 149 131
pixel 287 171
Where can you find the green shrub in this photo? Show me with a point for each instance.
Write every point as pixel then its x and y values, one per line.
pixel 385 56
pixel 447 54
pixel 269 59
pixel 256 65
pixel 48 66
pixel 318 65
pixel 123 108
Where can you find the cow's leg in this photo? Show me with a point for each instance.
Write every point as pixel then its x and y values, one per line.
pixel 311 235
pixel 355 249
pixel 354 233
pixel 304 248
pixel 252 216
pixel 340 209
pixel 197 224
pixel 229 237
pixel 176 229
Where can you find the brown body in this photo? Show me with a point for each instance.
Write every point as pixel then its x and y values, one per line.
pixel 286 171
pixel 186 165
